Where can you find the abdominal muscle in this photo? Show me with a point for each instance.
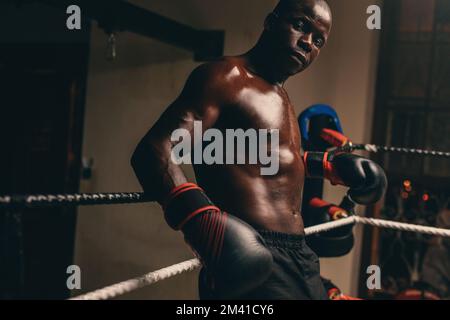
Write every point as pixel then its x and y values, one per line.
pixel 265 202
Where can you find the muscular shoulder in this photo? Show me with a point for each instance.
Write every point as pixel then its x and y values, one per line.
pixel 216 80
pixel 222 71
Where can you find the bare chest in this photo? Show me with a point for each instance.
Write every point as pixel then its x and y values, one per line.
pixel 253 108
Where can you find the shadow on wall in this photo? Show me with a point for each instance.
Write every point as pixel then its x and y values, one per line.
pixel 132 51
pixel 135 51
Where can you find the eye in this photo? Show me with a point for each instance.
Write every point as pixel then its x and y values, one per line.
pixel 299 25
pixel 319 42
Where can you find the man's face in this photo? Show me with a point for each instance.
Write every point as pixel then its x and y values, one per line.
pixel 300 34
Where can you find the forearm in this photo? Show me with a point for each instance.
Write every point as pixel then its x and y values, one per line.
pixel 152 161
pixel 157 174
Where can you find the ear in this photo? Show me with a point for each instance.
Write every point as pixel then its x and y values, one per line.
pixel 270 20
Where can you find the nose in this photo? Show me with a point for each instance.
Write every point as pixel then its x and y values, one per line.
pixel 306 41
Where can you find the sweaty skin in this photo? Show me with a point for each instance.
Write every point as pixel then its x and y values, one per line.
pixel 244 92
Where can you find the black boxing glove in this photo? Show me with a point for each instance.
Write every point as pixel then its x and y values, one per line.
pixel 366 179
pixel 232 252
pixel 337 242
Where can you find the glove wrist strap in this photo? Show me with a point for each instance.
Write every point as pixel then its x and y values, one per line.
pixel 184 203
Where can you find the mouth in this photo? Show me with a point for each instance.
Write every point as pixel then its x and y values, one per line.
pixel 299 56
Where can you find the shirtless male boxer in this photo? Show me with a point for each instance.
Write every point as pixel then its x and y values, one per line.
pixel 247 228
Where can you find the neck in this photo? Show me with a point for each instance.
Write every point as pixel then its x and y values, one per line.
pixel 261 62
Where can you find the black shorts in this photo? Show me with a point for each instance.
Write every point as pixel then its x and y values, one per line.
pixel 295 274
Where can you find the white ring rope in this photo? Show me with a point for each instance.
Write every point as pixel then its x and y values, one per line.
pixel 403 226
pixel 191 265
pixel 140 282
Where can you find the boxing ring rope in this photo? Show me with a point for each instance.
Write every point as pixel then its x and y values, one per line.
pixel 374 148
pixel 191 265
pixel 402 226
pixel 41 200
pixel 77 199
pixel 127 286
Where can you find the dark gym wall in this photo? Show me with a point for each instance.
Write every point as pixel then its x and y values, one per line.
pixel 43 70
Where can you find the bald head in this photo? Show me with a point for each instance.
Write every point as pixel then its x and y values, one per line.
pixel 295 32
pixel 318 9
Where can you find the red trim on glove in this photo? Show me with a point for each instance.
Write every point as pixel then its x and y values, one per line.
pixel 336 294
pixel 344 297
pixel 318 203
pixel 195 213
pixel 184 185
pixel 334 211
pixel 334 138
pixel 179 190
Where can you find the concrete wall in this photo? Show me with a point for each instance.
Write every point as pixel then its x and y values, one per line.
pixel 125 98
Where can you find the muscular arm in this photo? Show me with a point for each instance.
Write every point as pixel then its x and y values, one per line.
pixel 200 100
